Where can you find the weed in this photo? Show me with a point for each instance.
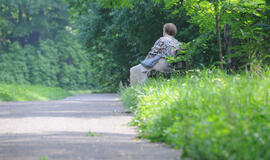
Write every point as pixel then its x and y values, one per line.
pixel 209 114
pixel 92 134
pixel 44 158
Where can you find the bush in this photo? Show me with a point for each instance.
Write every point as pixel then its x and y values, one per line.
pixel 13 68
pixel 208 114
pixel 60 63
pixel 129 97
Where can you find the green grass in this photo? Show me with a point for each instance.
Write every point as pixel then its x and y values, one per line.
pixel 92 134
pixel 74 92
pixel 31 93
pixel 44 158
pixel 208 114
pixel 93 90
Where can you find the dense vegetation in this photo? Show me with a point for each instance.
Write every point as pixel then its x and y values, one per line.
pixel 233 35
pixel 37 46
pixel 91 44
pixel 31 93
pixel 208 114
pixel 41 44
pixel 119 38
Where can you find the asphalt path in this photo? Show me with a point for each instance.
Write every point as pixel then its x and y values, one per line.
pixel 82 127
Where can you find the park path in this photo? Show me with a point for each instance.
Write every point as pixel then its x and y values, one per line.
pixel 56 130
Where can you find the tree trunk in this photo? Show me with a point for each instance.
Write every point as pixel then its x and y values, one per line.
pixel 20 21
pixel 20 15
pixel 33 38
pixel 218 33
pixel 228 44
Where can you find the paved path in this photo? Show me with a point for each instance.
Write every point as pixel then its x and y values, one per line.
pixel 57 130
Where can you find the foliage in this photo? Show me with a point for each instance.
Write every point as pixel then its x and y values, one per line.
pixel 208 114
pixel 202 51
pixel 199 53
pixel 118 38
pixel 37 43
pixel 37 46
pixel 129 97
pixel 29 21
pixel 31 93
pixel 13 68
pixel 62 63
pixel 250 33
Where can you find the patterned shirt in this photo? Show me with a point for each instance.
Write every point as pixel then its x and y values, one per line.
pixel 164 46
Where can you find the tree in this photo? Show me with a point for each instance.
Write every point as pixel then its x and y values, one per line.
pixel 247 19
pixel 122 37
pixel 207 13
pixel 242 16
pixel 28 21
pixel 38 46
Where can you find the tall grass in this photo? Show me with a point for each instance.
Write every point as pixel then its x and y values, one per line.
pixel 30 93
pixel 208 114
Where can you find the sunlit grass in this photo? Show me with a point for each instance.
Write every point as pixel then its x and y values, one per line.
pixel 30 93
pixel 74 92
pixel 209 114
pixel 44 158
pixel 91 91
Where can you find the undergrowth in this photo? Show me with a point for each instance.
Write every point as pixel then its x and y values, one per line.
pixel 30 93
pixel 208 114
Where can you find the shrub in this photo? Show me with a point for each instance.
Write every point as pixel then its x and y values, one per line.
pixel 61 63
pixel 209 114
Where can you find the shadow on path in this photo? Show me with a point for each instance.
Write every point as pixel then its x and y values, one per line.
pixel 57 129
pixel 76 145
